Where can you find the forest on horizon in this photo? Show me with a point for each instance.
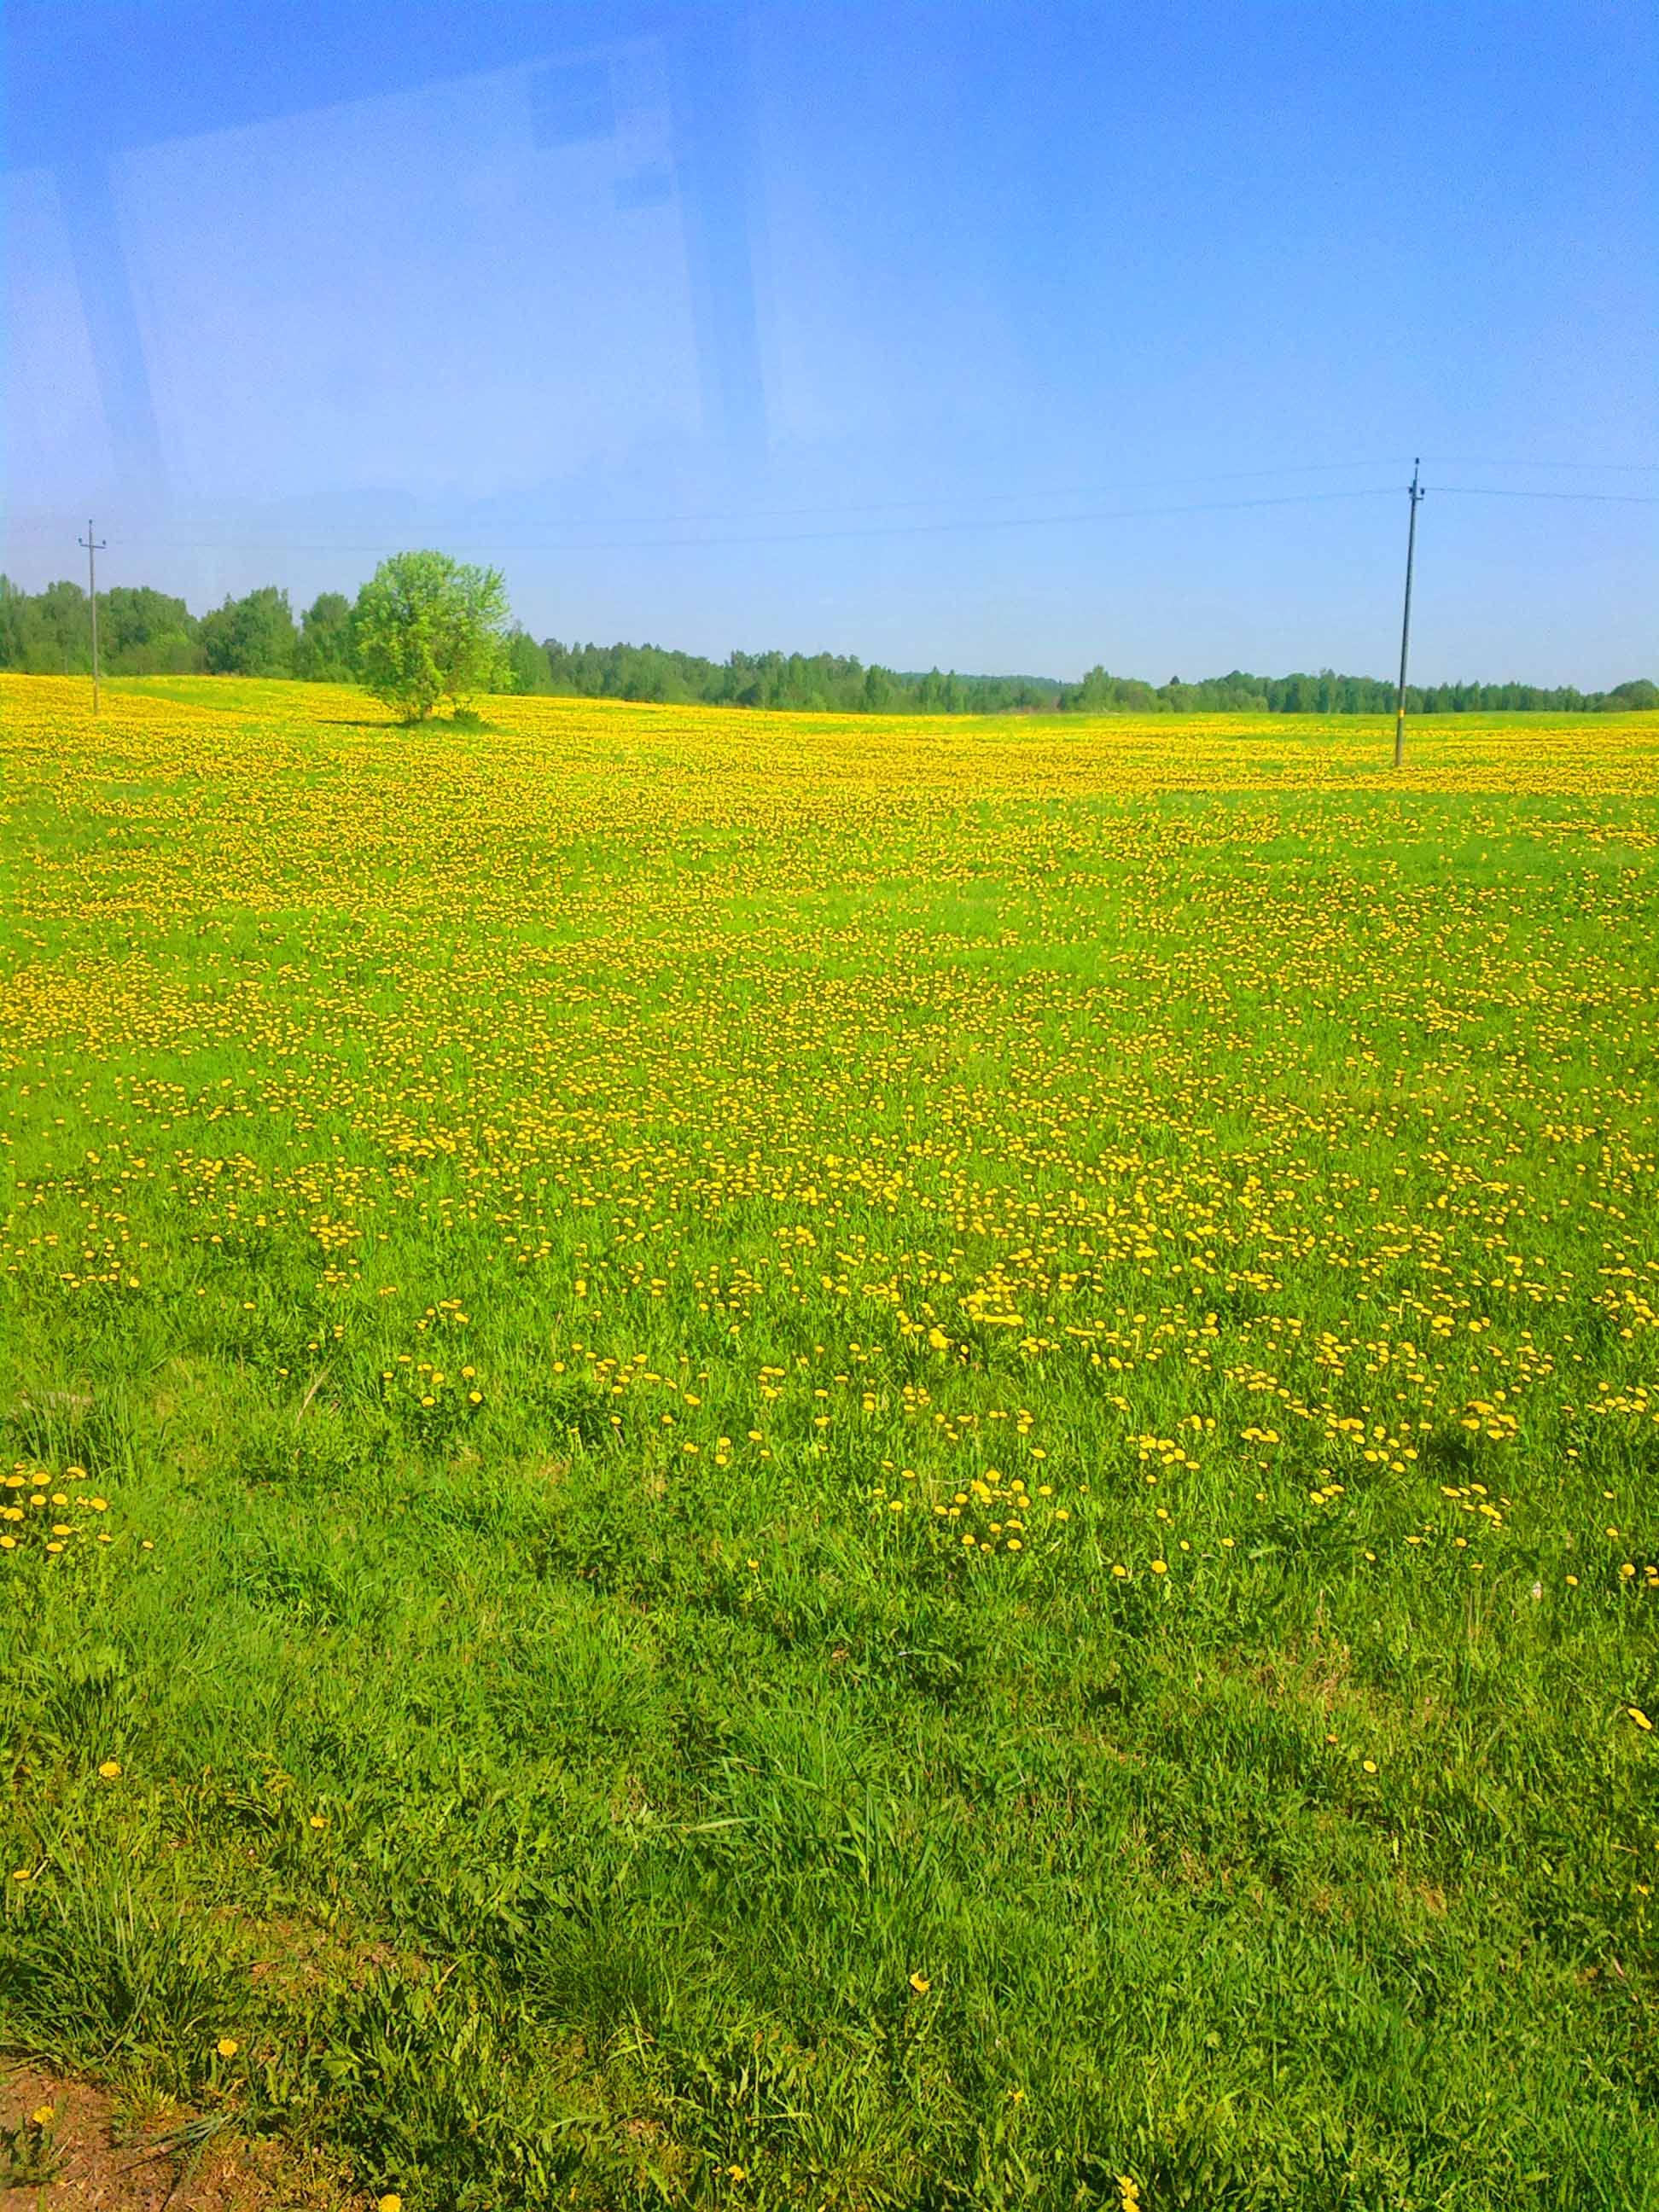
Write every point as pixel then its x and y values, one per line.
pixel 144 632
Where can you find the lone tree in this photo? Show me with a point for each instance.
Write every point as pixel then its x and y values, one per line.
pixel 428 627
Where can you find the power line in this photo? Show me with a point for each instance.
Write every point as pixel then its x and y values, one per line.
pixel 790 538
pixel 878 507
pixel 944 499
pixel 1063 492
pixel 1604 498
pixel 1590 468
pixel 503 546
pixel 957 499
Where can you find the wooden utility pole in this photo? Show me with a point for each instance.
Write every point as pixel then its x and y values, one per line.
pixel 94 546
pixel 1417 495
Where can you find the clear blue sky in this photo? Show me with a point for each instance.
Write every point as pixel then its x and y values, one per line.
pixel 815 326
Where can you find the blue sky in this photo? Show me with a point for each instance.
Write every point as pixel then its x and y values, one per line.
pixel 888 329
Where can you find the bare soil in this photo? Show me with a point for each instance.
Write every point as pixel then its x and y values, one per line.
pixel 103 2160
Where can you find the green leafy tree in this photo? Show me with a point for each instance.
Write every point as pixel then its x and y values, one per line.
pixel 527 665
pixel 326 653
pixel 430 629
pixel 145 633
pixel 251 636
pixel 57 631
pixel 19 628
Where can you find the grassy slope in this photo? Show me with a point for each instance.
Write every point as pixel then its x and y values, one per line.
pixel 1046 1572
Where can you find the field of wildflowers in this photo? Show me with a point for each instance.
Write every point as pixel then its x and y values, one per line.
pixel 762 1460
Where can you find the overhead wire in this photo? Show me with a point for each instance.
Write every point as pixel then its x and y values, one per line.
pixel 1497 491
pixel 566 542
pixel 1589 468
pixel 971 523
pixel 952 499
pixel 790 538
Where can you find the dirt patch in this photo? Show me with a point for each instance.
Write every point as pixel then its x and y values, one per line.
pixel 89 2155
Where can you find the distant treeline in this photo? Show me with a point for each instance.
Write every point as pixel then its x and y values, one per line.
pixel 146 633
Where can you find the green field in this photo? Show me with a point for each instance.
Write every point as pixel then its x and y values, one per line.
pixel 758 1461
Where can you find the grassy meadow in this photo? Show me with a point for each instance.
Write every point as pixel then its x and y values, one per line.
pixel 760 1460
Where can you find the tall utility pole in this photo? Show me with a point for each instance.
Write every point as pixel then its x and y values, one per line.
pixel 94 546
pixel 1417 495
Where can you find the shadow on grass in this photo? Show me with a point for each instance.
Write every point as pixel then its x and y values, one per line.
pixel 472 725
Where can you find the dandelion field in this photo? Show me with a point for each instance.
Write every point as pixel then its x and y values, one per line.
pixel 766 1462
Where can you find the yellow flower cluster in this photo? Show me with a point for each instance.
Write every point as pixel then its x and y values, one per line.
pixel 34 1521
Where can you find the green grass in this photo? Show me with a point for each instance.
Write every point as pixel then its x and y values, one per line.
pixel 1214 1177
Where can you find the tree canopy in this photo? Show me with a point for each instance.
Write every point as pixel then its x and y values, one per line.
pixel 327 650
pixel 252 636
pixel 428 627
